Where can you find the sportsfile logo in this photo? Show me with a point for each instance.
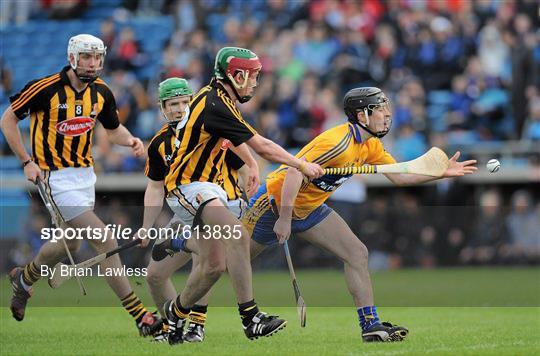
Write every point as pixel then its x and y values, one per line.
pixel 78 233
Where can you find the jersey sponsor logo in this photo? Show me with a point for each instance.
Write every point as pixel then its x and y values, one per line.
pixel 330 182
pixel 226 144
pixel 76 126
pixel 63 106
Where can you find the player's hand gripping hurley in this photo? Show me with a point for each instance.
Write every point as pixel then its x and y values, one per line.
pixel 300 303
pixel 59 222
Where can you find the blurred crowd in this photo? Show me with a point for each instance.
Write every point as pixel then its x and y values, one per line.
pixel 458 72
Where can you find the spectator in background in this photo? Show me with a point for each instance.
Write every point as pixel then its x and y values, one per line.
pixel 107 31
pixel 308 109
pixel 493 52
pixel 532 128
pixel 409 144
pixel 317 50
pixel 5 81
pixel 489 233
pixel 64 9
pixel 524 71
pixel 524 226
pixel 451 248
pixel 169 64
pixel 15 11
pixel 460 103
pixel 186 16
pixel 374 225
pixel 385 47
pixel 350 65
pixel 268 127
pixel 144 7
pixel 127 53
pixel 131 98
pixel 412 244
pixel 490 111
pixel 448 52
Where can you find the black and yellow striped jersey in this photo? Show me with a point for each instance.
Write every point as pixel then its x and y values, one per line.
pixel 159 158
pixel 62 119
pixel 160 153
pixel 229 172
pixel 213 124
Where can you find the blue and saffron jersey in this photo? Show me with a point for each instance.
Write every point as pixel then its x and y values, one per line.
pixel 340 146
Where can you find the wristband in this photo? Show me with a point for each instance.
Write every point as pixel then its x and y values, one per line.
pixel 25 163
pixel 302 166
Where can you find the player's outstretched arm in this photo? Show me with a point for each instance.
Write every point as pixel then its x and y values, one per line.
pixel 271 151
pixel 291 186
pixel 153 203
pixel 14 139
pixel 121 136
pixel 455 169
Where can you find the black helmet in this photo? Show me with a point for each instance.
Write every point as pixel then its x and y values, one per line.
pixel 364 99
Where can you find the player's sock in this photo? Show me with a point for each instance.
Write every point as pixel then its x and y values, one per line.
pixel 178 243
pixel 368 317
pixel 30 275
pixel 179 310
pixel 198 314
pixel 134 306
pixel 247 311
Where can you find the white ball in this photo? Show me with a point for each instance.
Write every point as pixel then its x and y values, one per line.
pixel 493 165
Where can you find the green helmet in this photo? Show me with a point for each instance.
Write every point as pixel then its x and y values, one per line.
pixel 230 60
pixel 173 87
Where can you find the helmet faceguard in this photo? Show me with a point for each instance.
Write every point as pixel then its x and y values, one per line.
pixel 87 44
pixel 233 60
pixel 367 100
pixel 172 88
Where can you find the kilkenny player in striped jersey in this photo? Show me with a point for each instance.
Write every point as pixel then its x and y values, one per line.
pixel 174 96
pixel 63 109
pixel 213 126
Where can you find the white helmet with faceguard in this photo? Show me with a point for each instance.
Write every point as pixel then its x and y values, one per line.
pixel 89 44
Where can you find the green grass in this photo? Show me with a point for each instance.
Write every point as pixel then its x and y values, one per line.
pixel 442 308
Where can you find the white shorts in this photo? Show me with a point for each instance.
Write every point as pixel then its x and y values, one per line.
pixel 72 190
pixel 186 200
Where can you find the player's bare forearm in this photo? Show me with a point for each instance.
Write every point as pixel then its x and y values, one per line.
pixel 120 136
pixel 404 179
pixel 289 191
pixel 250 175
pixel 245 155
pixel 271 151
pixel 243 174
pixel 153 202
pixel 13 134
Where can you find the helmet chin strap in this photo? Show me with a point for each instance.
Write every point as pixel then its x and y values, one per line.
pixel 236 87
pixel 365 126
pixel 83 78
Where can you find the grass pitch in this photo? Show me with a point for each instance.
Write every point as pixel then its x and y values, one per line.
pixel 473 312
